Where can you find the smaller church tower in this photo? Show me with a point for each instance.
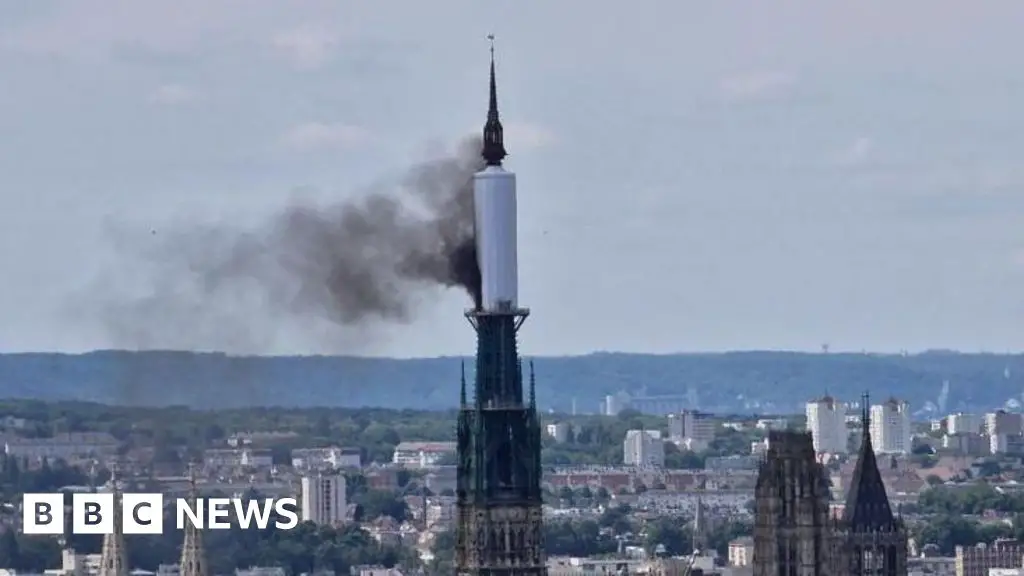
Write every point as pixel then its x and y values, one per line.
pixel 871 540
pixel 700 527
pixel 114 555
pixel 193 554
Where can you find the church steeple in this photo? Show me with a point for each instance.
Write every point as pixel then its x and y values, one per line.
pixel 494 144
pixel 700 537
pixel 113 555
pixel 193 554
pixel 867 505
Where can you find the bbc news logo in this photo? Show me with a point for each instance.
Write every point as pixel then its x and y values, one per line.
pixel 94 513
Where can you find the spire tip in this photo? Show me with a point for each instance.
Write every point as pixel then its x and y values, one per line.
pixel 494 145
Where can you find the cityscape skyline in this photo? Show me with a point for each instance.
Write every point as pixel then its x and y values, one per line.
pixel 704 182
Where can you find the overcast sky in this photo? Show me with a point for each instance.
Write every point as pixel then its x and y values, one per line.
pixel 692 175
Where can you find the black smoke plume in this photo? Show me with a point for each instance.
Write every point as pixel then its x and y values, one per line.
pixel 350 264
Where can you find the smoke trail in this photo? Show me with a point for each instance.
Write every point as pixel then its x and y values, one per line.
pixel 350 264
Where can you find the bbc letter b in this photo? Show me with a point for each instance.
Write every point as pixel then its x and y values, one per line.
pixel 43 514
pixel 93 513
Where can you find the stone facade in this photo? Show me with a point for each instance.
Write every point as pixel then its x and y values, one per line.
pixel 796 535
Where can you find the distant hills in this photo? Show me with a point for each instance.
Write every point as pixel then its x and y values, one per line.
pixel 747 382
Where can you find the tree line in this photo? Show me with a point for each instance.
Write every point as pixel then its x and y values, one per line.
pixel 179 434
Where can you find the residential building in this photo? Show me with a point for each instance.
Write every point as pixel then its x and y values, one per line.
pixel 691 428
pixel 440 511
pixel 759 447
pixel 262 439
pixel 741 551
pixel 423 454
pixel 324 458
pixel 63 446
pixel 1008 444
pixel 978 560
pixel 772 424
pixel 1003 422
pixel 891 427
pixel 961 423
pixel 826 421
pixel 14 423
pixel 644 448
pixel 323 499
pixel 967 444
pixel 215 458
pixel 559 431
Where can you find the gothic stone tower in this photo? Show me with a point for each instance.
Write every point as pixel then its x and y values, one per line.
pixel 193 554
pixel 792 532
pixel 870 540
pixel 499 519
pixel 114 555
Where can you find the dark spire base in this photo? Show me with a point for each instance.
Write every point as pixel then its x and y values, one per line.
pixel 500 525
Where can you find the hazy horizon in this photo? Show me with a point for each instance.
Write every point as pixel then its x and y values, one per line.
pixel 470 354
pixel 691 176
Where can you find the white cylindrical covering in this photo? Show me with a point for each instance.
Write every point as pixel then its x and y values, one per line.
pixel 494 198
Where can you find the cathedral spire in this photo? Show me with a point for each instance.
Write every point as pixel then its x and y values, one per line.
pixel 114 556
pixel 867 504
pixel 193 555
pixel 699 523
pixel 494 144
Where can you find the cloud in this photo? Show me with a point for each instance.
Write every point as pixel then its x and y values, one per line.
pixel 325 135
pixel 173 95
pixel 855 154
pixel 756 86
pixel 307 48
pixel 92 30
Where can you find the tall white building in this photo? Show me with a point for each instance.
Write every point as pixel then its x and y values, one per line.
pixel 323 499
pixel 615 403
pixel 890 427
pixel 826 421
pixel 1003 422
pixel 961 423
pixel 644 448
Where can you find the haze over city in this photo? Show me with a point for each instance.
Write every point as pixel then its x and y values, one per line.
pixel 691 177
